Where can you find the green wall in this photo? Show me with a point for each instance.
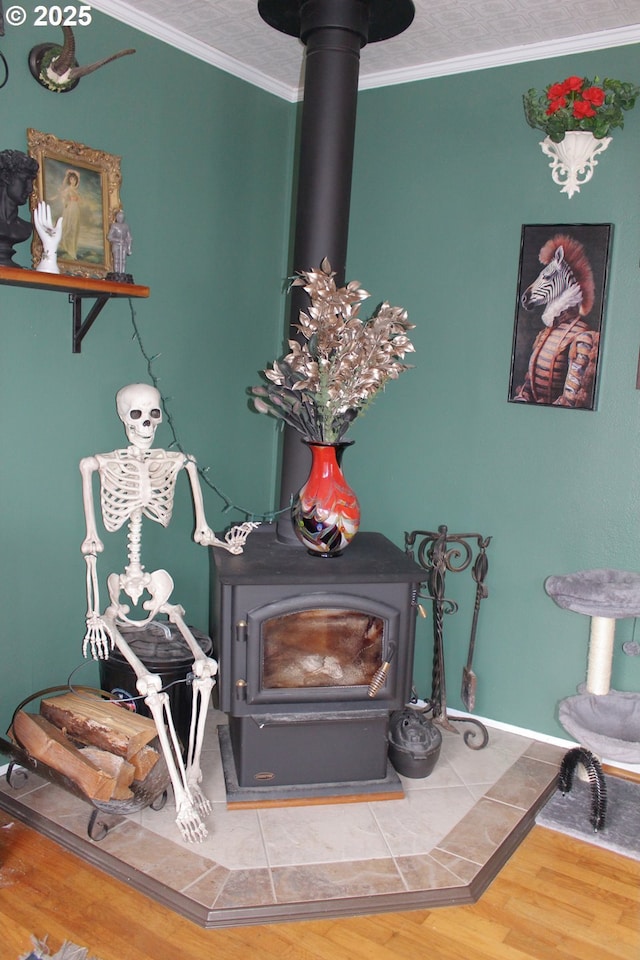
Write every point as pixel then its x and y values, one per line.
pixel 206 173
pixel 446 172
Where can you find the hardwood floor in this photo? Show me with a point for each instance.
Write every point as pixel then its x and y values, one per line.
pixel 556 898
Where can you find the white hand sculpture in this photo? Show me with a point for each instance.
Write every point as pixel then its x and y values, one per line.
pixel 50 236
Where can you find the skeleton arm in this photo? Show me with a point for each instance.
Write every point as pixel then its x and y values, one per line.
pixel 97 637
pixel 92 544
pixel 234 539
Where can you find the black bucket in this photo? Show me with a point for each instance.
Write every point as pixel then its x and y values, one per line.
pixel 162 649
pixel 414 743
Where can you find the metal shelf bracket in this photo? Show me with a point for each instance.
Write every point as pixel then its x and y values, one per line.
pixel 81 327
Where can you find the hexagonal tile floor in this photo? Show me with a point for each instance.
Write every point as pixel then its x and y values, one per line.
pixel 440 844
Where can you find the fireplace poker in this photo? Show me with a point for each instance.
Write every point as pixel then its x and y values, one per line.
pixel 469 678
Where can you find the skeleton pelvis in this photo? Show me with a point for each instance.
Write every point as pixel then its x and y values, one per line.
pixel 159 585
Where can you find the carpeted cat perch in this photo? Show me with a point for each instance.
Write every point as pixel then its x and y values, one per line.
pixel 602 720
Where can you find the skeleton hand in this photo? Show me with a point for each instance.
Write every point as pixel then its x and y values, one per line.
pixel 97 638
pixel 234 539
pixel 50 236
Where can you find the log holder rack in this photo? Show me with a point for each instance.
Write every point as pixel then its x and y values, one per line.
pixel 152 792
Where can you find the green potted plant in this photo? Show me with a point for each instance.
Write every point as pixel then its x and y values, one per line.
pixel 577 103
pixel 577 114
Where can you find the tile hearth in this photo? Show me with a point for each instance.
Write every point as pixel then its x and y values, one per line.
pixel 441 844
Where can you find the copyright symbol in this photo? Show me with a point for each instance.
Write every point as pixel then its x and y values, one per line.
pixel 15 16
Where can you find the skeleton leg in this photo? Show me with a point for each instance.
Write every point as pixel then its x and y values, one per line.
pixel 149 686
pixel 204 669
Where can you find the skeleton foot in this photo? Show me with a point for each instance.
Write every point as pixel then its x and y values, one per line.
pixel 200 802
pixel 189 823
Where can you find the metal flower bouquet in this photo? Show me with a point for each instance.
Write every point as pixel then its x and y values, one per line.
pixel 326 380
pixel 331 375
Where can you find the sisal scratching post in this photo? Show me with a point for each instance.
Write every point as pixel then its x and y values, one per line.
pixel 600 659
pixel 599 666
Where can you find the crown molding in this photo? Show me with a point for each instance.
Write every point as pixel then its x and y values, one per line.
pixel 195 48
pixel 568 46
pixel 125 13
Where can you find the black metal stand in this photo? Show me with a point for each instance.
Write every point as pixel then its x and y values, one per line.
pixel 97 826
pixel 439 552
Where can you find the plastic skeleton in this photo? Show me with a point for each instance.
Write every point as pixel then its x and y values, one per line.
pixel 139 482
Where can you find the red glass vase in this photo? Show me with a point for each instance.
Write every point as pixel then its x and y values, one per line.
pixel 326 512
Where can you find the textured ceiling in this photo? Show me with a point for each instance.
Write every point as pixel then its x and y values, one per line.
pixel 446 36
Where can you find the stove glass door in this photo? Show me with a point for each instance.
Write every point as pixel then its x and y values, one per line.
pixel 321 648
pixel 305 650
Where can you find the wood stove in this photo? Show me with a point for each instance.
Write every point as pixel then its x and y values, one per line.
pixel 314 654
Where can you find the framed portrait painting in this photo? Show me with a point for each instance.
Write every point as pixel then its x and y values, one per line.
pixel 561 295
pixel 81 185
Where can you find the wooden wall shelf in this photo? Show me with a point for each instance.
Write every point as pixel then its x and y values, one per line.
pixel 78 289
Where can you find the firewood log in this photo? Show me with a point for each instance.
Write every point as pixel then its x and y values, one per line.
pixel 45 742
pixel 143 762
pixel 99 723
pixel 120 769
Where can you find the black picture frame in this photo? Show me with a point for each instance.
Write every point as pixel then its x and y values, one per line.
pixel 557 342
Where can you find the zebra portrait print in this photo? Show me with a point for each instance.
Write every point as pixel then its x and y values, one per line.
pixel 557 334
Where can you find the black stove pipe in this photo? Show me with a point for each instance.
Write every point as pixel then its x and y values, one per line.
pixel 333 31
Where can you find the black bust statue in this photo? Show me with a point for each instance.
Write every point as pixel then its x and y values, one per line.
pixel 17 173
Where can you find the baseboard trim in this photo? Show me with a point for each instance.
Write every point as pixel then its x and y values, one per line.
pixel 630 771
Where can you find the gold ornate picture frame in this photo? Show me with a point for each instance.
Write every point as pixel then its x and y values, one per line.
pixel 81 185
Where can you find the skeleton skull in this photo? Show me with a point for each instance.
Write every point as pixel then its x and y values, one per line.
pixel 140 409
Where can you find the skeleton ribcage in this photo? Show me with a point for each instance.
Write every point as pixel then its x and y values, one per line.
pixel 129 486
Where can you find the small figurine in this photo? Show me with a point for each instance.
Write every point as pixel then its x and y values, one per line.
pixel 17 173
pixel 50 237
pixel 119 237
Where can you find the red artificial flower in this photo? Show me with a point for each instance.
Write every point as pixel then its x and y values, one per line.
pixel 582 109
pixel 594 95
pixel 573 84
pixel 555 91
pixel 556 104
